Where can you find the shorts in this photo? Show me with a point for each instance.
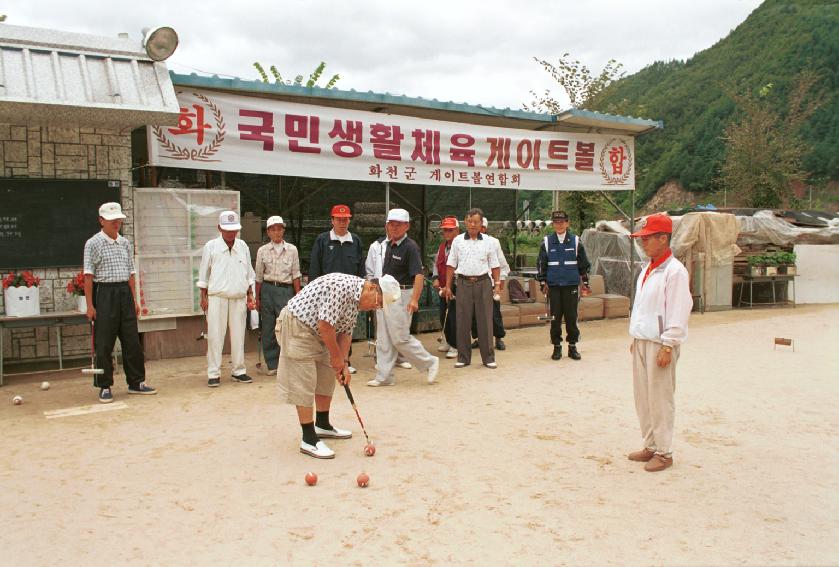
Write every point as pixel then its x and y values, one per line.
pixel 304 368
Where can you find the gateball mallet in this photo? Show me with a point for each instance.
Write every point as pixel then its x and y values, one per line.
pixel 92 369
pixel 547 316
pixel 352 403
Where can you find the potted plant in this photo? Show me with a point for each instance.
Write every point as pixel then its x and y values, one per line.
pixel 786 263
pixel 771 263
pixel 76 287
pixel 20 294
pixel 756 264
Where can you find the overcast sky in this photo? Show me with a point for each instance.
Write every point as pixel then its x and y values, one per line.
pixel 479 51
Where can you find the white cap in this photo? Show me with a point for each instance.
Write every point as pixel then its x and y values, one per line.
pixel 399 215
pixel 229 220
pixel 391 293
pixel 111 211
pixel 274 220
pixel 485 222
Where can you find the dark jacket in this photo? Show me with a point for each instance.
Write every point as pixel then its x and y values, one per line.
pixel 562 263
pixel 330 256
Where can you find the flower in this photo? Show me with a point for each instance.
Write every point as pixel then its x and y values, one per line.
pixel 23 279
pixel 76 285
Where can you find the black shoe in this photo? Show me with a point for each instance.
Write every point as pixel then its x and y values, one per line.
pixel 214 382
pixel 557 354
pixel 499 344
pixel 475 344
pixel 573 353
pixel 242 379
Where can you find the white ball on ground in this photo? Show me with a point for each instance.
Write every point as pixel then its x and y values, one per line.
pixel 45 385
pixel 17 400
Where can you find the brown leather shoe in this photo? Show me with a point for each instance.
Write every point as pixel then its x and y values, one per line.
pixel 641 456
pixel 658 463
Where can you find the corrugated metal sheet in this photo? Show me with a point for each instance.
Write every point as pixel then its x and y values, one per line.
pixel 572 120
pixel 58 78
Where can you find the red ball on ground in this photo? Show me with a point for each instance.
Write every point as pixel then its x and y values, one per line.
pixel 369 449
pixel 311 479
pixel 363 480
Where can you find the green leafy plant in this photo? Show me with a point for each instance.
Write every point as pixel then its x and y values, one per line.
pixel 298 80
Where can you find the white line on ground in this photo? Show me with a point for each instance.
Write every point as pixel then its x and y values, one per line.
pixel 84 410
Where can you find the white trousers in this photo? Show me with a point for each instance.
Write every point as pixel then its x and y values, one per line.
pixel 654 389
pixel 221 313
pixel 393 337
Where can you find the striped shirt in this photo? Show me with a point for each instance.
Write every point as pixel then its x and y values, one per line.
pixel 108 260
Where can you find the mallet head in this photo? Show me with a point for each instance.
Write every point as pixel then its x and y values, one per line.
pixel 92 371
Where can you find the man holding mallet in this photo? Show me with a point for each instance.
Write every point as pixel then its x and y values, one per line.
pixel 314 331
pixel 111 304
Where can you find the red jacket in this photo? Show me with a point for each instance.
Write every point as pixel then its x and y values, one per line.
pixel 440 262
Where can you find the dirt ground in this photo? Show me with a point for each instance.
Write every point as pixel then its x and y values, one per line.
pixel 522 465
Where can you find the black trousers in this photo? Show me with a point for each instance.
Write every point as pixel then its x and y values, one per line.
pixel 498 330
pixel 449 322
pixel 564 301
pixel 115 317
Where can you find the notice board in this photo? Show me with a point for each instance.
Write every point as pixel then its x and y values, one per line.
pixel 171 227
pixel 44 223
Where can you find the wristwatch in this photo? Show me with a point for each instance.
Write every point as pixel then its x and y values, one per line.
pixel 666 348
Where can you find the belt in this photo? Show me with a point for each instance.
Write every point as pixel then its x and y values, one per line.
pixel 473 278
pixel 406 287
pixel 110 284
pixel 278 284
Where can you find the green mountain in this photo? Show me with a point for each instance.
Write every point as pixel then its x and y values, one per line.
pixel 777 41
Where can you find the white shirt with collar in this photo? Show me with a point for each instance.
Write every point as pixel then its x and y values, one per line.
pixel 472 257
pixel 499 253
pixel 226 272
pixel 665 295
pixel 346 238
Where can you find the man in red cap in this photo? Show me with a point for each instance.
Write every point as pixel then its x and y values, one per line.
pixel 658 326
pixel 337 250
pixel 448 318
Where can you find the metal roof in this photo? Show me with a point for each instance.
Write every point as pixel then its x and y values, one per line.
pixel 569 121
pixel 56 78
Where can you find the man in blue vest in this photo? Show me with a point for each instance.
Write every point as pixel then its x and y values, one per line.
pixel 562 265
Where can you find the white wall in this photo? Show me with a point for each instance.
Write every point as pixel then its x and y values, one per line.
pixel 818 266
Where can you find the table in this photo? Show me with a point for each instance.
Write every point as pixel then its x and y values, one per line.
pixel 751 280
pixel 53 319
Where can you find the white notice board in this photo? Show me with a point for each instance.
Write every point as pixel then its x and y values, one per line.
pixel 171 227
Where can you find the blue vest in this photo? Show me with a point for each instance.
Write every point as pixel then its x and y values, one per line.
pixel 562 260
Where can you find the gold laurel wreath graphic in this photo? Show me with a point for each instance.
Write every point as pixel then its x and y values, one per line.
pixel 611 180
pixel 202 154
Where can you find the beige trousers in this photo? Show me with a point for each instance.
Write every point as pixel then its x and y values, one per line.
pixel 654 389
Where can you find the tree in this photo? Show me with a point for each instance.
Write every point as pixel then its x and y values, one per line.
pixel 582 88
pixel 298 80
pixel 764 148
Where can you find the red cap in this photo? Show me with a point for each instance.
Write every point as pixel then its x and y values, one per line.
pixel 449 222
pixel 654 224
pixel 341 211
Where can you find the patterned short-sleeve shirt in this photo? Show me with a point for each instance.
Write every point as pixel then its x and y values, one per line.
pixel 332 298
pixel 108 260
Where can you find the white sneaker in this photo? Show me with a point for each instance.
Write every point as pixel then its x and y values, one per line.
pixel 375 383
pixel 492 365
pixel 352 370
pixel 267 371
pixel 404 364
pixel 452 353
pixel 443 347
pixel 432 371
pixel 319 451
pixel 333 433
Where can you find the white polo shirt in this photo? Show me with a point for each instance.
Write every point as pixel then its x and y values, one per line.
pixel 226 272
pixel 472 257
pixel 665 294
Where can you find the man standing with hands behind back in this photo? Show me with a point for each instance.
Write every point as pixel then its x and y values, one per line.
pixel 658 326
pixel 225 278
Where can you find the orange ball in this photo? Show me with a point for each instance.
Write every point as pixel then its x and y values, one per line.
pixel 369 449
pixel 311 479
pixel 363 480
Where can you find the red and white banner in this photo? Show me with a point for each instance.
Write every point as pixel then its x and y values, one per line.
pixel 227 132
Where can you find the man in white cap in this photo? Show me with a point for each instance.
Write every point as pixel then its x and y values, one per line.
pixel 111 304
pixel 277 280
pixel 315 332
pixel 498 330
pixel 226 279
pixel 402 261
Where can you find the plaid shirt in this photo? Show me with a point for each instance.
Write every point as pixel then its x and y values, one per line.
pixel 332 298
pixel 108 260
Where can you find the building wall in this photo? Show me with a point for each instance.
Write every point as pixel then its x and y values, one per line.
pixel 61 153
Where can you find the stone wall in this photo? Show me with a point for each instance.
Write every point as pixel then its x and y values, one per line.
pixel 61 153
